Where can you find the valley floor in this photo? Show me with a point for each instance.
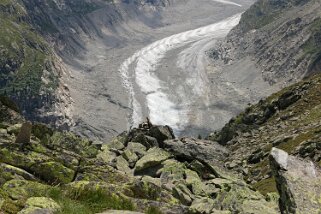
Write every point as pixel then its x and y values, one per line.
pixel 152 69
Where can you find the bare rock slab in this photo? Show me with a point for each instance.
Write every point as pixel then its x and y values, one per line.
pixel 298 183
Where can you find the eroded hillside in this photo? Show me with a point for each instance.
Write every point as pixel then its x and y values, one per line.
pixel 281 37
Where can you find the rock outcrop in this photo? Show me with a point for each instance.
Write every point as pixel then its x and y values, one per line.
pixel 144 170
pixel 294 50
pixel 298 182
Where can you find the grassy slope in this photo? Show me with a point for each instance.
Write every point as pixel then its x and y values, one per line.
pixel 289 120
pixel 25 59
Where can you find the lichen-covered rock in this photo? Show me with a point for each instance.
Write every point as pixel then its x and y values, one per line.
pixel 161 133
pixel 137 148
pixel 36 205
pixel 54 172
pixel 145 140
pixel 105 154
pixel 298 183
pixel 201 150
pixel 172 171
pixel 123 165
pixel 8 172
pixel 147 190
pixel 202 206
pixel 45 167
pixel 156 181
pixel 130 156
pixel 117 143
pixel 153 157
pixel 194 183
pixel 238 197
pixel 182 193
pixel 20 189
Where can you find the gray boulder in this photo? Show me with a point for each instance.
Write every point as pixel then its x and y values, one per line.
pixel 191 149
pixel 298 183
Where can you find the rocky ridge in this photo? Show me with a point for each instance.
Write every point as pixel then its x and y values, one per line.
pixel 291 54
pixel 288 120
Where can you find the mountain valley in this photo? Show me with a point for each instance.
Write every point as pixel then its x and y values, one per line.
pixel 160 106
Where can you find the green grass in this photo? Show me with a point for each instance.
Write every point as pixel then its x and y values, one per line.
pixel 153 210
pixel 85 202
pixel 89 201
pixel 266 186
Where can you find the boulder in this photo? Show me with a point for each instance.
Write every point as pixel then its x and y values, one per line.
pixel 201 150
pixel 8 172
pixel 23 137
pixel 204 171
pixel 298 183
pixel 130 156
pixel 153 157
pixel 145 140
pixel 194 183
pixel 106 155
pixel 122 165
pixel 54 172
pixel 40 205
pixel 117 143
pixel 171 171
pixel 183 194
pixel 39 164
pixel 202 206
pixel 20 189
pixel 137 148
pixel 161 133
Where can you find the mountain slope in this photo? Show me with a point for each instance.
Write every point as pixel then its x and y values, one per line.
pixel 289 120
pixel 281 37
pixel 28 73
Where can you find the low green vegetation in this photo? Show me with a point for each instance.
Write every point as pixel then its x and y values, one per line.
pixel 26 62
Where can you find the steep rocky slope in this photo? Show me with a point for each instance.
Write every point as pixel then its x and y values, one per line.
pixel 30 70
pixel 282 37
pixel 41 39
pixel 289 120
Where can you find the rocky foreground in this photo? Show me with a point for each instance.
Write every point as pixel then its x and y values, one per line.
pixel 148 170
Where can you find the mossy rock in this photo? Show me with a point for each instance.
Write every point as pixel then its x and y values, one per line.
pixel 137 148
pixel 40 205
pixel 153 157
pixel 22 189
pixel 14 129
pixel 244 200
pixel 195 183
pixel 10 155
pixel 8 172
pixel 54 172
pixel 202 205
pixel 71 142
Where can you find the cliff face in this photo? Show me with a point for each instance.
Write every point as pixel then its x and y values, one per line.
pixel 281 37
